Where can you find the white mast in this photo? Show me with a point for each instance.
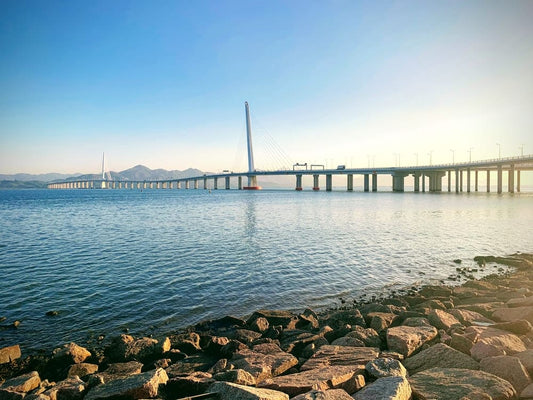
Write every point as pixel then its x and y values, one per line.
pixel 252 180
pixel 103 166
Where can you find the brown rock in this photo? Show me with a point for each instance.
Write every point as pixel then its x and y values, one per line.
pixel 526 358
pixel 384 367
pixel 442 320
pixel 519 327
pixel 189 343
pixel 467 317
pixel 329 355
pixel 380 321
pixel 22 384
pixel 319 379
pixel 264 361
pixel 198 362
pixel 406 339
pixel 520 302
pixel 439 355
pixel 232 391
pixel 196 383
pixel 391 388
pixel 8 354
pixel 274 317
pixel 259 324
pixel 348 341
pixel 513 314
pixel 508 368
pixel 461 343
pixel 483 350
pixel 140 386
pixel 341 318
pixel 527 393
pixel 120 370
pixel 368 336
pixel 238 376
pixel 332 394
pixel 71 353
pixel 72 388
pixel 502 342
pixel 456 383
pixel 308 319
pixel 82 369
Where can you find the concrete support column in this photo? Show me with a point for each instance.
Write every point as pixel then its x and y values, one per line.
pixel 468 180
pixel 315 183
pixel 500 179
pixel 186 184
pixel 416 177
pixel 299 182
pixel 349 182
pixel 374 182
pixel 435 181
pixel 205 183
pixel 215 183
pixel 518 180
pixel 227 182
pixel 449 180
pixel 196 184
pixel 456 181
pixel 423 182
pixel 240 183
pixel 510 184
pixel 488 181
pixel 461 180
pixel 398 182
pixel 328 183
pixel 476 180
pixel 366 184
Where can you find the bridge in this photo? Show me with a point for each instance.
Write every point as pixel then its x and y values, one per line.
pixel 465 176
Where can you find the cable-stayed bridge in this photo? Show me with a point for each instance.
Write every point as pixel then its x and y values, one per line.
pixel 463 176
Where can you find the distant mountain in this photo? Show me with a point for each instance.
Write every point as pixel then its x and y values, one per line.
pixel 30 177
pixel 7 184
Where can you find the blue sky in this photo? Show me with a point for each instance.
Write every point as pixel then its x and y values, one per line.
pixel 163 83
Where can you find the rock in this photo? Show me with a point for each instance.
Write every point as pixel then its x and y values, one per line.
pixel 442 320
pixel 198 362
pixel 246 336
pixel 140 386
pixel 526 358
pixel 456 383
pixel 439 355
pixel 391 388
pixel 71 353
pixel 384 367
pixel 259 324
pixel 406 339
pixel 220 366
pixel 461 343
pixel 8 354
pixel 527 393
pixel 502 342
pixel 468 317
pixel 72 388
pixel 435 291
pixel 329 355
pixel 380 321
pixel 238 376
pixel 274 317
pixel 347 378
pixel 508 368
pixel 189 343
pixel 295 340
pixel 196 383
pixel 367 335
pixel 21 384
pixel 483 350
pixel 120 370
pixel 82 369
pixel 308 320
pixel 519 327
pixel 332 394
pixel 416 321
pixel 264 361
pixel 348 341
pixel 521 302
pixel 513 314
pixel 232 391
pixel 351 317
pixel 215 344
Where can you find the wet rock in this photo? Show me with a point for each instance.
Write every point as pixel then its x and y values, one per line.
pixel 8 354
pixel 332 394
pixel 274 317
pixel 328 356
pixel 392 387
pixel 439 355
pixel 264 361
pixel 513 314
pixel 189 343
pixel 519 327
pixel 238 376
pixel 341 318
pixel 456 383
pixel 140 386
pixel 508 368
pixel 82 369
pixel 384 367
pixel 308 320
pixel 72 388
pixel 232 391
pixel 71 353
pixel 406 339
pixel 347 378
pixel 196 383
pixel 442 320
pixel 259 324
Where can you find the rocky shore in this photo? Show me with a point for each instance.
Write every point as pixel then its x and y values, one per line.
pixel 469 342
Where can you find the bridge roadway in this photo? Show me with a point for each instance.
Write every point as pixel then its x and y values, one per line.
pixel 460 172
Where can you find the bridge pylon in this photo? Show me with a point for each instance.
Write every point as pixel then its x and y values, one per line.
pixel 252 179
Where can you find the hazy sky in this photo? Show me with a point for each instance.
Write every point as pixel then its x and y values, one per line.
pixel 163 83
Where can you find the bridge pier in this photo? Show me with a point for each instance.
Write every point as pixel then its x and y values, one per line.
pixel 449 180
pixel 205 183
pixel 187 184
pixel 416 177
pixel 349 182
pixel 315 183
pixel 240 183
pixel 518 180
pixel 227 182
pixel 215 183
pixel 398 181
pixel 510 185
pixel 476 181
pixel 468 180
pixel 374 182
pixel 366 183
pixel 196 184
pixel 329 182
pixel 423 182
pixel 298 182
pixel 500 179
pixel 435 181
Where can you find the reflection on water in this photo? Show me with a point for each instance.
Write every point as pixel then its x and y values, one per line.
pixel 154 261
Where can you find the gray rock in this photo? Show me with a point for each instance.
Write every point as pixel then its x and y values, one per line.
pixel 456 383
pixel 442 320
pixel 526 358
pixel 384 367
pixel 389 388
pixel 407 339
pixel 238 376
pixel 232 391
pixel 367 335
pixel 8 354
pixel 141 386
pixel 332 394
pixel 508 368
pixel 348 341
pixel 439 355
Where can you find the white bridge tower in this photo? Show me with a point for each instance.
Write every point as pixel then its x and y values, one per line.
pixel 252 179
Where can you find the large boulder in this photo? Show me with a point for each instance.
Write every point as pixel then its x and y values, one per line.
pixel 368 336
pixel 126 348
pixel 407 339
pixel 21 384
pixel 71 353
pixel 513 314
pixel 384 367
pixel 492 342
pixel 329 355
pixel 232 391
pixel 458 383
pixel 439 355
pixel 82 369
pixel 72 388
pixel 390 388
pixel 8 354
pixel 526 358
pixel 140 386
pixel 238 376
pixel 467 317
pixel 332 394
pixel 274 317
pixel 508 368
pixel 120 371
pixel 442 320
pixel 347 378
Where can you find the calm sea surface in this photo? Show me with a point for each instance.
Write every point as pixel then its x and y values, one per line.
pixel 156 261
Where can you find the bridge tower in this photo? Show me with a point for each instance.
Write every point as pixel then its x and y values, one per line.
pixel 252 179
